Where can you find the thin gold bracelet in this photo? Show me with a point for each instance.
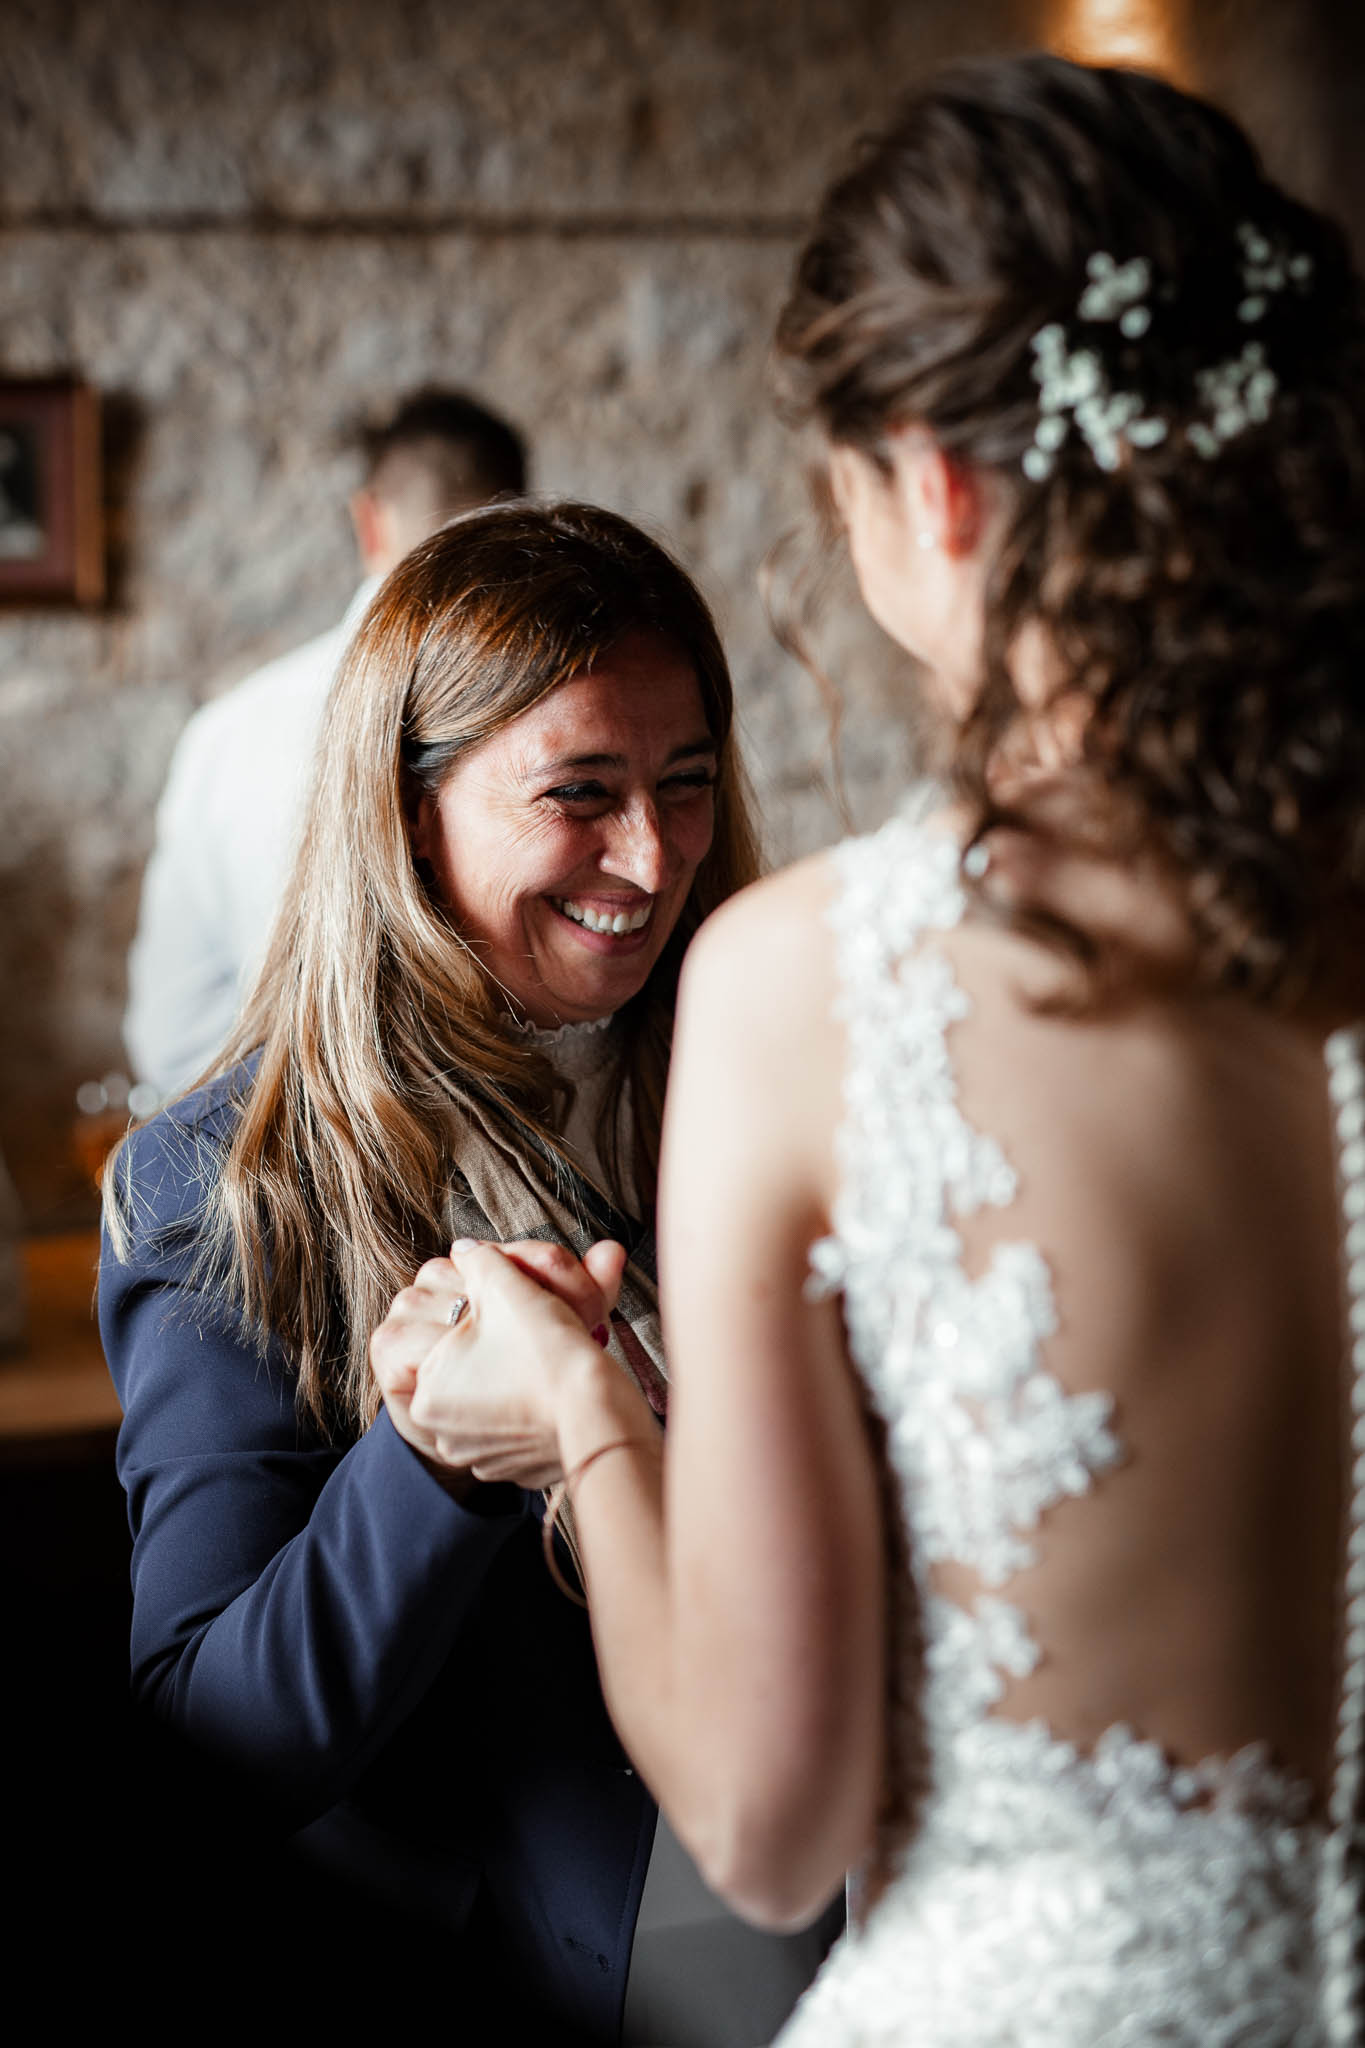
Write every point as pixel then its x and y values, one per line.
pixel 554 1502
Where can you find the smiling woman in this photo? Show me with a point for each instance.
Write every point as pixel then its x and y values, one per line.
pixel 566 844
pixel 527 800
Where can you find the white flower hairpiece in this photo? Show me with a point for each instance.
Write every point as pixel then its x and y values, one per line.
pixel 1074 386
pixel 1116 292
pixel 1265 269
pixel 1075 383
pixel 1236 394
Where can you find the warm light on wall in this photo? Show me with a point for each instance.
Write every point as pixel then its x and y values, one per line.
pixel 1143 33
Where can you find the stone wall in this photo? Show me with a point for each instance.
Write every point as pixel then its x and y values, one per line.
pixel 252 226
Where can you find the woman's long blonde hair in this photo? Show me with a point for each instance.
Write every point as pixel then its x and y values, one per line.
pixel 369 1012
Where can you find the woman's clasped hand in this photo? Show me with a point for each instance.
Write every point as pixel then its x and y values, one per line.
pixel 477 1357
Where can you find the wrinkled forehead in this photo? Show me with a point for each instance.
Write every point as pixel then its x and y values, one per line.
pixel 640 700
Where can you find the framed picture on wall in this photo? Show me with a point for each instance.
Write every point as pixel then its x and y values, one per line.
pixel 51 505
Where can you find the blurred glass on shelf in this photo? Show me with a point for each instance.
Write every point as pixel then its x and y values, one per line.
pixel 105 1108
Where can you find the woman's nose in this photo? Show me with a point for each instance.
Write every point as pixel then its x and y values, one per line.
pixel 639 851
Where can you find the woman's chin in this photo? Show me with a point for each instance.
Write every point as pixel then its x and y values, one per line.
pixel 580 999
pixel 587 975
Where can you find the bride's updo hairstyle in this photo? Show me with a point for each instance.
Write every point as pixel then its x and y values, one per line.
pixel 1083 281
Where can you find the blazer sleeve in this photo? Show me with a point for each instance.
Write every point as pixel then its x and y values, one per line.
pixel 292 1601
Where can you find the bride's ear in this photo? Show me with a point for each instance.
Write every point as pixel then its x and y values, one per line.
pixel 943 499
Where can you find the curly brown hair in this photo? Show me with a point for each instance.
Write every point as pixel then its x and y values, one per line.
pixel 1212 610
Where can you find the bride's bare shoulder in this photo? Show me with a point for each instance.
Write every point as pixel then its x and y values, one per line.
pixel 787 916
pixel 783 909
pixel 763 966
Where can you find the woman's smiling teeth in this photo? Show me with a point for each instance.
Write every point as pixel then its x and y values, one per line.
pixel 604 920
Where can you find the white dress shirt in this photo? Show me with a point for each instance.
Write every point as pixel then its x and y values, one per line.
pixel 226 830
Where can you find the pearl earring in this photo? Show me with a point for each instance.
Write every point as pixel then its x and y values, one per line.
pixel 925 539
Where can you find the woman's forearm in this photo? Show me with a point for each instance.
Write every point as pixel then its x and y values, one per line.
pixel 774 1661
pixel 289 1600
pixel 612 1450
pixel 682 1674
pixel 302 1675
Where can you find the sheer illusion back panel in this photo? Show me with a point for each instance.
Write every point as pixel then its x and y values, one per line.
pixel 1088 1278
pixel 1174 1170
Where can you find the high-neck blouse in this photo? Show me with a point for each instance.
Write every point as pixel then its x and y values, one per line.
pixel 585 1055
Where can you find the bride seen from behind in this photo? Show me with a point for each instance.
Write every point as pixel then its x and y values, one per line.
pixel 1010 1132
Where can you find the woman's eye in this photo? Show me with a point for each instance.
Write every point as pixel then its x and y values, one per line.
pixel 578 793
pixel 692 783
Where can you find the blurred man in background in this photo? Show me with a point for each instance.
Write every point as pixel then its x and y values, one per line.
pixel 229 815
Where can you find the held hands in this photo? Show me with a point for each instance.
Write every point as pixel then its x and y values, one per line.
pixel 479 1395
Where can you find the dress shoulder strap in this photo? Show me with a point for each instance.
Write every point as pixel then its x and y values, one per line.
pixel 894 884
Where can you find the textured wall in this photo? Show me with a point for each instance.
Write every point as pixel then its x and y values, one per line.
pixel 250 225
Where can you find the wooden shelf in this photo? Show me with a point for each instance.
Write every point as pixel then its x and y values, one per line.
pixel 58 1383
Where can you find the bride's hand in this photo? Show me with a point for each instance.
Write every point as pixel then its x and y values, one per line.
pixel 477 1394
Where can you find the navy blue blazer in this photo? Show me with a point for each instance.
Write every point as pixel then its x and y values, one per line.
pixel 394 1672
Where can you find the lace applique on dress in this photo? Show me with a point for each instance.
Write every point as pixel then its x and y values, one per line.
pixel 1049 1898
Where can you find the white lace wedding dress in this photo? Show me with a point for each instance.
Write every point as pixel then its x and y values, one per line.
pixel 1048 1899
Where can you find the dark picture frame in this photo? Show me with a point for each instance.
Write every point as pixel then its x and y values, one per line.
pixel 51 499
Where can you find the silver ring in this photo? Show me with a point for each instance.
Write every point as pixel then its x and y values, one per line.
pixel 457 1308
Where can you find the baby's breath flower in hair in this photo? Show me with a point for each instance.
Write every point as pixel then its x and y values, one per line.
pixel 1074 387
pixel 1073 382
